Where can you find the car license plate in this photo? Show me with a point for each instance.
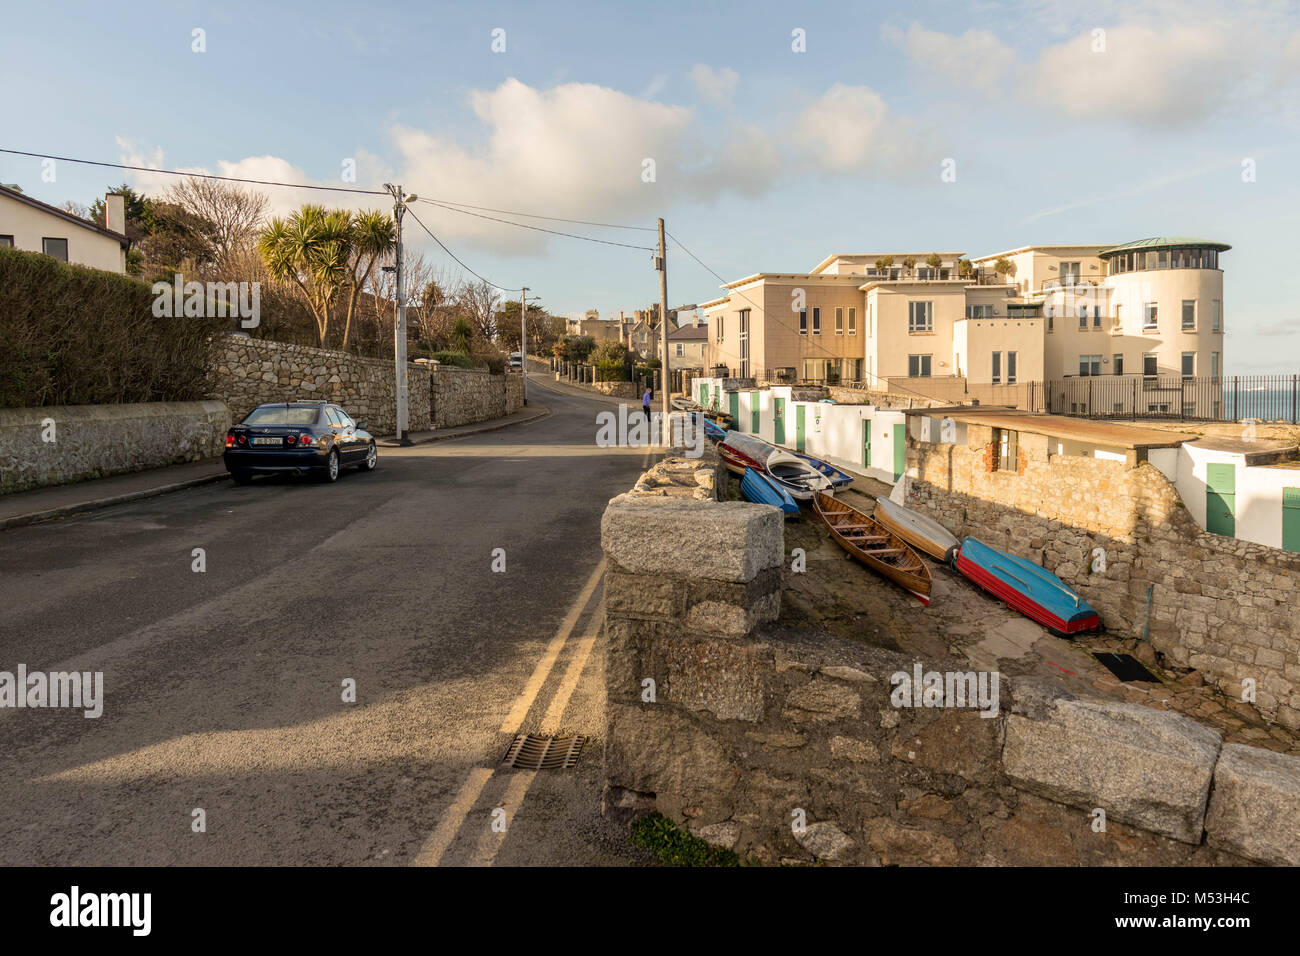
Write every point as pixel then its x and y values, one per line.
pixel 268 441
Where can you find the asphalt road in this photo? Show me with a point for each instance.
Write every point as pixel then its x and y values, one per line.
pixel 223 690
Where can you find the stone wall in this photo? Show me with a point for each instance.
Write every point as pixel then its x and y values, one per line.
pixel 880 399
pixel 459 396
pixel 252 371
pixel 791 746
pixel 93 441
pixel 1218 605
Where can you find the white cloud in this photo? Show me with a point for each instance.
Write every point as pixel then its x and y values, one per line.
pixel 716 86
pixel 976 59
pixel 850 129
pixel 1171 72
pixel 1284 327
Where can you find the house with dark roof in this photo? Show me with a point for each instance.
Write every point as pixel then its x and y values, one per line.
pixel 29 224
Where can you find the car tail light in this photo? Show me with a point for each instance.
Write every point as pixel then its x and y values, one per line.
pixel 243 439
pixel 304 439
pixel 292 439
pixel 230 441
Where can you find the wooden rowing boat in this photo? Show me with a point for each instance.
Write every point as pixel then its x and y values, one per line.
pixel 871 543
pixel 920 531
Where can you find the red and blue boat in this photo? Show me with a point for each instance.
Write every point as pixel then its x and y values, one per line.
pixel 1033 591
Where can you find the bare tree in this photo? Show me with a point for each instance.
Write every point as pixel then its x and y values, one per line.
pixel 233 211
pixel 477 302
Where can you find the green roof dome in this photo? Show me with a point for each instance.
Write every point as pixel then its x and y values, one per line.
pixel 1166 242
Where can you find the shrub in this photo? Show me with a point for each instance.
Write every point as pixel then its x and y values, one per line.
pixel 79 336
pixel 611 372
pixel 458 359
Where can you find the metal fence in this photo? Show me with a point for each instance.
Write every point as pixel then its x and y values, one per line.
pixel 1230 398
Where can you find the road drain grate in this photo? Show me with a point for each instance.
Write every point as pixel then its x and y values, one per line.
pixel 538 752
pixel 1126 667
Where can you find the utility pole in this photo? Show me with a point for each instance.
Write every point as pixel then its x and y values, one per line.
pixel 523 338
pixel 399 327
pixel 661 263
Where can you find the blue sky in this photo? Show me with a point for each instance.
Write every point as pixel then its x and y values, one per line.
pixel 765 158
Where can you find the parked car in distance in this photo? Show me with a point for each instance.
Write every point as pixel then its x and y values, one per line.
pixel 515 362
pixel 316 438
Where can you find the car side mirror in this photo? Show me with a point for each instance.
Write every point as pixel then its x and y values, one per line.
pixel 361 425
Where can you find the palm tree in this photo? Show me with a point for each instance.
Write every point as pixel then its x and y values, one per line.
pixel 324 251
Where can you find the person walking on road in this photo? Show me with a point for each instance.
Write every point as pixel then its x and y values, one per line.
pixel 645 405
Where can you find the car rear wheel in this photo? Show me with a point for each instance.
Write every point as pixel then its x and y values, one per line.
pixel 241 477
pixel 331 470
pixel 372 458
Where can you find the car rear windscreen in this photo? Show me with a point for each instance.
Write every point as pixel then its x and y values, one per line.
pixel 283 415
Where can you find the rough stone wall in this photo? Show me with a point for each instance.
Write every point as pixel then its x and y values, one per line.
pixel 889 400
pixel 93 441
pixel 1221 606
pixel 460 396
pixel 793 747
pixel 251 371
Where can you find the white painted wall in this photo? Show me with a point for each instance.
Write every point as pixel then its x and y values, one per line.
pixel 30 226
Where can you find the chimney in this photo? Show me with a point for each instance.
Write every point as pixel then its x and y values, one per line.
pixel 115 213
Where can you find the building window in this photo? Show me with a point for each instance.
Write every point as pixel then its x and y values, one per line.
pixel 1096 316
pixel 1214 365
pixel 721 318
pixel 1011 368
pixel 744 343
pixel 681 350
pixel 1117 363
pixel 997 367
pixel 839 320
pixel 979 311
pixel 1083 316
pixel 7 241
pixel 1189 364
pixel 1119 315
pixel 1149 366
pixel 55 248
pixel 920 317
pixel 1006 445
pixel 1050 320
pixel 1215 315
pixel 803 321
pixel 853 369
pixel 1089 364
pixel 918 366
pixel 1150 317
pixel 853 321
pixel 1189 315
pixel 817 321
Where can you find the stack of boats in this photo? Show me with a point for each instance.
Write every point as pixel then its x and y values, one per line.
pixel 891 540
pixel 699 412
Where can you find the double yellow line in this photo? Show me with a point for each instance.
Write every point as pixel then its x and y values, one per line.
pixel 440 840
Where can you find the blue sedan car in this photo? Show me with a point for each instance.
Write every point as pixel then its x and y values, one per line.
pixel 315 438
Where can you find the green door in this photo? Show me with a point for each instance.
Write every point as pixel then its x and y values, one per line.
pixel 778 420
pixel 735 409
pixel 1291 519
pixel 900 449
pixel 1221 499
pixel 866 443
pixel 704 394
pixel 799 427
pixel 756 412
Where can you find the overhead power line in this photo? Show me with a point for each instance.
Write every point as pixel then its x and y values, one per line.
pixel 176 172
pixel 523 225
pixel 412 214
pixel 529 215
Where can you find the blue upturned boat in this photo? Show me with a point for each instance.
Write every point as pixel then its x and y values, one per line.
pixel 712 431
pixel 1033 591
pixel 838 478
pixel 761 489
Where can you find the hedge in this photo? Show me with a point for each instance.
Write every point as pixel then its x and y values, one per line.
pixel 70 335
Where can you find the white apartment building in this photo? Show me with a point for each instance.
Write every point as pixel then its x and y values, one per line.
pixel 939 323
